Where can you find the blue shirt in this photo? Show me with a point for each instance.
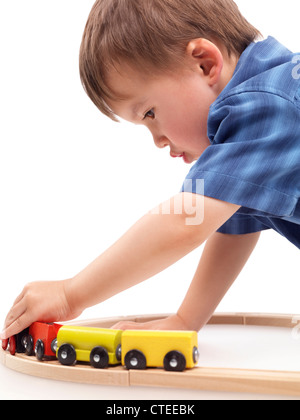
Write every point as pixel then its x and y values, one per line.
pixel 254 131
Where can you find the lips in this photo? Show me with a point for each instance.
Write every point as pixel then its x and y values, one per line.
pixel 176 155
pixel 180 155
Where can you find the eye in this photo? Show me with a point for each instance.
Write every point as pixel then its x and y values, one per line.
pixel 150 114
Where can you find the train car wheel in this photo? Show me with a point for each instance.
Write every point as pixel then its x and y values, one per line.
pixel 54 346
pixel 20 341
pixel 12 345
pixel 5 344
pixel 99 358
pixel 39 350
pixel 135 359
pixel 174 361
pixel 196 355
pixel 28 344
pixel 119 353
pixel 66 355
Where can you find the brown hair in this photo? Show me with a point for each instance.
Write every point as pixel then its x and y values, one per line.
pixel 151 34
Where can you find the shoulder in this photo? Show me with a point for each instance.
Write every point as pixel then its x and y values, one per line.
pixel 266 66
pixel 267 77
pixel 254 114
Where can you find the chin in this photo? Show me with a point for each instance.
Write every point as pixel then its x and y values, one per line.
pixel 192 159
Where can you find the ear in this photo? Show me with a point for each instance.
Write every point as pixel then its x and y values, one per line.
pixel 206 57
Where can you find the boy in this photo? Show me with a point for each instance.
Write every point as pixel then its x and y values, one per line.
pixel 190 71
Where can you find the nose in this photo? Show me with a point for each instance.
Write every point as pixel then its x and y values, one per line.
pixel 161 141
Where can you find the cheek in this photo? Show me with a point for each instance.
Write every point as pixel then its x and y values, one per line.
pixel 187 125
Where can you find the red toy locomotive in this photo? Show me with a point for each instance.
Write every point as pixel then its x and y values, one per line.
pixel 39 339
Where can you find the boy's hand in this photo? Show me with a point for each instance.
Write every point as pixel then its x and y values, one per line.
pixel 172 323
pixel 40 301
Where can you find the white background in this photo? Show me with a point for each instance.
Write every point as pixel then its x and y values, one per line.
pixel 72 182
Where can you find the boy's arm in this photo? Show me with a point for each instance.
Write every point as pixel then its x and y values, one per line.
pixel 153 244
pixel 222 260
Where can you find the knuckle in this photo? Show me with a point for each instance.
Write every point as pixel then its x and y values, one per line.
pixel 18 324
pixel 29 287
pixel 125 325
pixel 26 287
pixel 27 299
pixel 118 326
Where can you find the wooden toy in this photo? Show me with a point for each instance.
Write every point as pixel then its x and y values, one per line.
pixel 11 344
pixel 199 378
pixel 175 351
pixel 41 340
pixel 15 343
pixel 171 350
pixel 101 347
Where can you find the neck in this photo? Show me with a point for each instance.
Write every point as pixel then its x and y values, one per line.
pixel 228 70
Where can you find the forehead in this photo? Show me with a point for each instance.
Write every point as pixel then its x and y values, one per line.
pixel 131 89
pixel 135 86
pixel 128 89
pixel 126 81
pixel 125 78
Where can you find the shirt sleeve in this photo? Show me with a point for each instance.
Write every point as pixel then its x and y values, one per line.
pixel 253 160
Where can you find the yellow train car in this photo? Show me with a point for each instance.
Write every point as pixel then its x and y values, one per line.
pixel 171 350
pixel 135 349
pixel 99 346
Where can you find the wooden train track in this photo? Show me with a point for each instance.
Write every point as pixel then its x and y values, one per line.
pixel 213 379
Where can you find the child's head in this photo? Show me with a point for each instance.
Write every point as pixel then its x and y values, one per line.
pixel 128 45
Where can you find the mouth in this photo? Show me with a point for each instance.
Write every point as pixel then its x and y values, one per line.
pixel 181 155
pixel 176 155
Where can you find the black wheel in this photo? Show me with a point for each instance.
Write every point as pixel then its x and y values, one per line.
pixel 20 341
pixel 135 359
pixel 39 350
pixel 66 355
pixel 99 358
pixel 119 353
pixel 196 355
pixel 27 342
pixel 174 361
pixel 54 346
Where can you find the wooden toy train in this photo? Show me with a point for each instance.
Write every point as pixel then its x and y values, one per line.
pixel 134 349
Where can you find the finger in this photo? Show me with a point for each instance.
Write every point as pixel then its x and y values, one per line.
pixel 121 325
pixel 15 312
pixel 20 297
pixel 129 326
pixel 16 327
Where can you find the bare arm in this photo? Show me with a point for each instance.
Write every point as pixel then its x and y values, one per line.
pixel 153 244
pixel 222 261
pixel 223 258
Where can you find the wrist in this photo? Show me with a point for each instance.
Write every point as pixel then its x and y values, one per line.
pixel 188 323
pixel 180 323
pixel 75 307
